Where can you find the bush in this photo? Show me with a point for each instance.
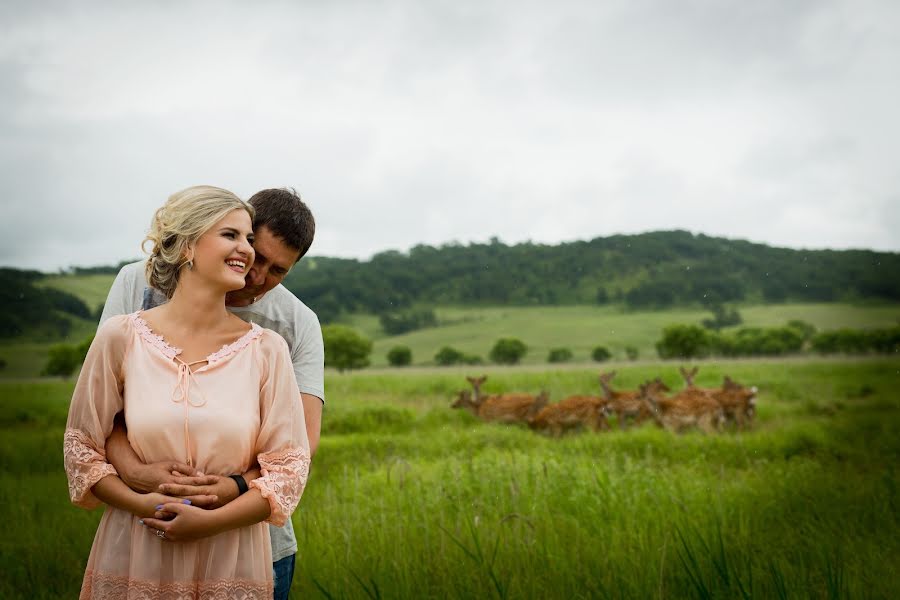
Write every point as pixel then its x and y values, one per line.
pixel 684 341
pixel 632 353
pixel 447 356
pixel 806 330
pixel 345 348
pixel 399 356
pixel 857 341
pixel 558 355
pixel 402 322
pixel 62 359
pixel 508 351
pixel 601 353
pixel 2 364
pixel 758 341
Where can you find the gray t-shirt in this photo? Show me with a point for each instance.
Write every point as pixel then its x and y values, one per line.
pixel 280 311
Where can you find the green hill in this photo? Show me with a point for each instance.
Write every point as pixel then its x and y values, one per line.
pixel 651 270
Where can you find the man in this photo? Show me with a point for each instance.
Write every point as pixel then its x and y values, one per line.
pixel 284 228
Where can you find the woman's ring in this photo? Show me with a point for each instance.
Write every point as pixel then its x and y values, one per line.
pixel 160 533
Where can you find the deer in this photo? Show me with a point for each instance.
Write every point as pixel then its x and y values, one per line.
pixel 627 405
pixel 505 408
pixel 688 408
pixel 738 402
pixel 570 413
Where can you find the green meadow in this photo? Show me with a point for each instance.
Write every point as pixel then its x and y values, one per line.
pixel 410 499
pixel 582 328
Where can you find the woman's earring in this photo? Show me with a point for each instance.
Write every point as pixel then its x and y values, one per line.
pixel 190 265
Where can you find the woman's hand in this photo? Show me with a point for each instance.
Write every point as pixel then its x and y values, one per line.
pixel 189 522
pixel 148 505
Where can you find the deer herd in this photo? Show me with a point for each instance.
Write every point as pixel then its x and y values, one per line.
pixel 708 409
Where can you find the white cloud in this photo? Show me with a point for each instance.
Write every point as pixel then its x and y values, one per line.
pixel 411 122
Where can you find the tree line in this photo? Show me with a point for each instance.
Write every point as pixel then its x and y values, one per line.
pixel 645 271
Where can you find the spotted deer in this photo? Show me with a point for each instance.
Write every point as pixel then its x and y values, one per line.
pixel 688 408
pixel 572 413
pixel 627 405
pixel 504 408
pixel 738 402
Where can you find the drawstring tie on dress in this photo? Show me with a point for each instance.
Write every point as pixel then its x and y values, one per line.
pixel 183 385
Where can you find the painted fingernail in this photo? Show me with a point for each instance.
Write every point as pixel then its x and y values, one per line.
pixel 186 501
pixel 159 507
pixel 141 521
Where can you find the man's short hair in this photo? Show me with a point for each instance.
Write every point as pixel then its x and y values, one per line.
pixel 286 216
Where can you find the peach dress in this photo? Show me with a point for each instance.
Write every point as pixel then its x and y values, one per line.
pixel 241 406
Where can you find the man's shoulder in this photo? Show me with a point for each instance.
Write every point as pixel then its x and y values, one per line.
pixel 134 271
pixel 282 299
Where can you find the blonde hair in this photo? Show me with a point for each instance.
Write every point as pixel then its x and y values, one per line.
pixel 176 227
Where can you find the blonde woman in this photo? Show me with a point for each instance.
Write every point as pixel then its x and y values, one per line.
pixel 197 385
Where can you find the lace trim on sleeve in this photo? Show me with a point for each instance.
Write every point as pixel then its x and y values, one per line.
pixel 85 466
pixel 284 477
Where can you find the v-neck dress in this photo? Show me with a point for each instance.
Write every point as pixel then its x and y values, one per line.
pixel 240 407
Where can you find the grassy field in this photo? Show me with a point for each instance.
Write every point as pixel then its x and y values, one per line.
pixel 410 499
pixel 474 330
pixel 91 289
pixel 581 328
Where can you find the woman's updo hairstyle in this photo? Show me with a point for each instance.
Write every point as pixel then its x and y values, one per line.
pixel 177 226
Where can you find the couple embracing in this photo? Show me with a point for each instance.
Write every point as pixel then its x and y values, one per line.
pixel 197 410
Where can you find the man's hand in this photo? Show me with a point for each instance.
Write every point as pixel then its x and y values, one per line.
pixel 204 491
pixel 147 478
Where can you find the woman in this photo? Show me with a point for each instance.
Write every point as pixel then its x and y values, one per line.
pixel 198 385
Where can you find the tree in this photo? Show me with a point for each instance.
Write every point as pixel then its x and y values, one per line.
pixel 62 359
pixel 722 317
pixel 399 356
pixel 558 355
pixel 601 353
pixel 684 341
pixel 631 352
pixel 447 356
pixel 508 351
pixel 345 348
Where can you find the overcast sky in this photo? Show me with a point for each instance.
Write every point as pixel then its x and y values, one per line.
pixel 428 122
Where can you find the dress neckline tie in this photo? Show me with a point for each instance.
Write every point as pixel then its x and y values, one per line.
pixel 182 394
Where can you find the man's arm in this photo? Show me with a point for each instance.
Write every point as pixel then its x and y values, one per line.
pixel 312 412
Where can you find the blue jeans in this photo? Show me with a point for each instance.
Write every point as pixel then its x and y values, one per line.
pixel 283 572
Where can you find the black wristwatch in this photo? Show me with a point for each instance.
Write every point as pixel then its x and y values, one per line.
pixel 241 483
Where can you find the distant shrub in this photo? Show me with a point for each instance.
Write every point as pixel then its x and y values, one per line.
pixel 558 355
pixel 758 341
pixel 447 356
pixel 403 322
pixel 602 296
pixel 399 356
pixel 2 364
pixel 857 341
pixel 508 351
pixel 684 341
pixel 345 348
pixel 62 359
pixel 631 353
pixel 806 330
pixel 601 353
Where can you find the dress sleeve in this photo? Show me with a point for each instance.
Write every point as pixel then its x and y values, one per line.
pixel 282 447
pixel 97 399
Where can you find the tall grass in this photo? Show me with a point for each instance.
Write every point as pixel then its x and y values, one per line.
pixel 408 498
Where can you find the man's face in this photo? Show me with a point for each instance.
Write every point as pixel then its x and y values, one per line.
pixel 274 259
